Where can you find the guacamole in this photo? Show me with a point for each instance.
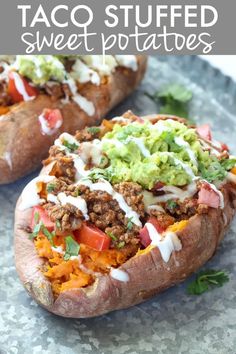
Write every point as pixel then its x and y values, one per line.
pixel 167 152
pixel 40 68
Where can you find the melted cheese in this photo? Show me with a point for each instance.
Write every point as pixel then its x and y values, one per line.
pixel 30 197
pixel 166 243
pixel 119 274
pixel 77 202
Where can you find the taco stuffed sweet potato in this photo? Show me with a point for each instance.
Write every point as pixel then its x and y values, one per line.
pixel 121 212
pixel 42 96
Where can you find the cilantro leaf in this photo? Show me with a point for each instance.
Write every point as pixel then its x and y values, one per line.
pixel 174 99
pixel 72 248
pixel 207 280
pixel 71 147
pixel 176 92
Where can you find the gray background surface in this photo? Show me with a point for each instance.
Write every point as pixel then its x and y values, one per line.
pixel 172 322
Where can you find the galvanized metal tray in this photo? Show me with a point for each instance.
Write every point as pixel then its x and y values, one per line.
pixel 172 322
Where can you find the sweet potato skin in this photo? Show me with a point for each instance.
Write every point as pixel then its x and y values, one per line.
pixel 148 273
pixel 23 146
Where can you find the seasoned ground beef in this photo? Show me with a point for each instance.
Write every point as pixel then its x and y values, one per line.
pixel 67 217
pixel 164 219
pixel 54 90
pixel 104 212
pixel 87 134
pixel 5 98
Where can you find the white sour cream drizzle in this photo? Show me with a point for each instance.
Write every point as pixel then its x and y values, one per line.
pixel 119 274
pixel 46 130
pixel 107 187
pixel 128 61
pixel 65 137
pixel 185 167
pixel 82 73
pixel 77 202
pixel 91 150
pixel 177 193
pixel 85 105
pixel 181 142
pixel 140 144
pixel 167 243
pixel 21 87
pixel 121 119
pixel 7 158
pixel 30 197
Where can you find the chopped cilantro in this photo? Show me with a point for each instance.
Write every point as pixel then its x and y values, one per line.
pixel 171 204
pixel 71 147
pixel 72 248
pixel 93 130
pixel 48 234
pixel 121 244
pixel 130 224
pixel 207 280
pixel 58 225
pixel 36 230
pixel 36 217
pixel 50 187
pixel 112 236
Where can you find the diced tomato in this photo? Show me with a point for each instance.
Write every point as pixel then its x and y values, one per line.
pixel 12 89
pixel 204 131
pixel 42 216
pixel 208 196
pixel 158 185
pixel 224 147
pixel 53 117
pixel 144 235
pixel 93 237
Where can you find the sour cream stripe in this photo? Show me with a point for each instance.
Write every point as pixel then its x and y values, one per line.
pixel 166 243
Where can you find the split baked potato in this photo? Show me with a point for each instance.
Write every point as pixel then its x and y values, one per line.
pixel 121 212
pixel 43 96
